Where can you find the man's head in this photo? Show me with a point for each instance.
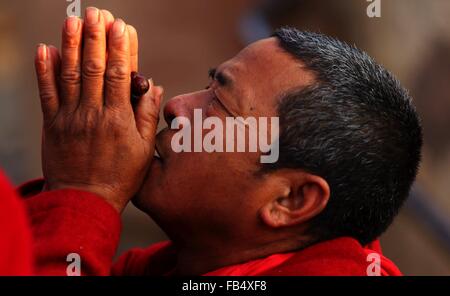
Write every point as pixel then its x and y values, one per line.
pixel 349 151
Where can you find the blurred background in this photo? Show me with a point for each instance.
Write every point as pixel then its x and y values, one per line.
pixel 181 40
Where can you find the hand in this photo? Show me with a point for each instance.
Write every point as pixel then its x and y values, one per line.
pixel 93 140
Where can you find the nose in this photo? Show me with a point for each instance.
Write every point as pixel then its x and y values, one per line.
pixel 183 105
pixel 172 108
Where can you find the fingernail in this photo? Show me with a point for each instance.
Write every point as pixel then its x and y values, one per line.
pixel 118 28
pixel 72 24
pixel 92 15
pixel 42 52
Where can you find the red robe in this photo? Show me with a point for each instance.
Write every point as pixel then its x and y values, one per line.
pixel 15 238
pixel 72 221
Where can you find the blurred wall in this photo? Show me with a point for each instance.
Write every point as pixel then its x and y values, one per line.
pixel 180 40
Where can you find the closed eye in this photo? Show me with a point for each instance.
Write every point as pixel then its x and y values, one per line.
pixel 220 77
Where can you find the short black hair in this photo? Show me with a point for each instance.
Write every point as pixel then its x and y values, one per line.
pixel 357 128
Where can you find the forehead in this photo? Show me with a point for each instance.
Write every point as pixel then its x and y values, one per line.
pixel 266 71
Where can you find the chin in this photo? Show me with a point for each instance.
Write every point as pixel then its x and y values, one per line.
pixel 149 202
pixel 139 202
pixel 145 198
pixel 152 197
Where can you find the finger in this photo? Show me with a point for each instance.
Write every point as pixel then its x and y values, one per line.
pixel 109 20
pixel 56 61
pixel 118 69
pixel 134 47
pixel 48 91
pixel 70 78
pixel 94 59
pixel 147 112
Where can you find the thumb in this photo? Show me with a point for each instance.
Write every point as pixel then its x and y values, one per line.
pixel 147 112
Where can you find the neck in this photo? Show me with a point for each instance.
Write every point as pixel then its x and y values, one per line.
pixel 210 257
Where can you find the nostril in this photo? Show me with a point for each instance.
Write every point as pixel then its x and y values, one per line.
pixel 178 107
pixel 169 117
pixel 170 111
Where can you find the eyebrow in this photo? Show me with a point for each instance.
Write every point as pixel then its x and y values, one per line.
pixel 220 77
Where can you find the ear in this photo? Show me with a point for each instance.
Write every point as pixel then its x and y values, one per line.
pixel 297 197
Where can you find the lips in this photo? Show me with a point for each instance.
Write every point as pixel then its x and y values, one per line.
pixel 158 148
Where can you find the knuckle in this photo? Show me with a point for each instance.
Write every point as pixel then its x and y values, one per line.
pixel 71 42
pixel 70 76
pixel 95 34
pixel 46 95
pixel 93 68
pixel 118 72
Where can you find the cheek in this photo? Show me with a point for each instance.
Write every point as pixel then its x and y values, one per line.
pixel 189 184
pixel 181 179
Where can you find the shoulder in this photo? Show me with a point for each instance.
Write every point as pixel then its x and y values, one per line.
pixel 338 257
pixel 158 259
